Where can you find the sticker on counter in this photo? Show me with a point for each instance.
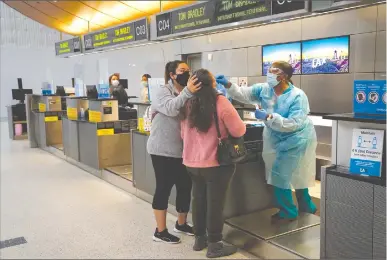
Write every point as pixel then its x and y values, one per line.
pixel 51 119
pixel 42 107
pixel 367 152
pixel 95 116
pixel 72 113
pixel 102 132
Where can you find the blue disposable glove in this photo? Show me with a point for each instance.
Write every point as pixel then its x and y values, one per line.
pixel 261 114
pixel 221 89
pixel 221 79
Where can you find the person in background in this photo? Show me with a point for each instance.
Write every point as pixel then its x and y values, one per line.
pixel 289 137
pixel 166 147
pixel 210 180
pixel 117 91
pixel 145 87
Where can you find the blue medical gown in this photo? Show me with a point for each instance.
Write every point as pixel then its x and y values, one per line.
pixel 289 138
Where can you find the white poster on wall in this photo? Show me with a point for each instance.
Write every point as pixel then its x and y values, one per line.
pixel 234 80
pixel 154 83
pixel 242 82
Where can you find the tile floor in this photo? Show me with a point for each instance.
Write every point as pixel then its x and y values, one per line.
pixel 65 212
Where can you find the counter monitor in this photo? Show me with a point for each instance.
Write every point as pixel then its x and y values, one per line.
pixel 91 91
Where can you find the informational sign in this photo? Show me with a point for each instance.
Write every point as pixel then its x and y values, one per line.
pixel 95 116
pixel 193 17
pixel 68 46
pixel 50 119
pixel 242 82
pixel 367 152
pixel 285 6
pixel 103 91
pixel 210 13
pixel 102 132
pixel 42 107
pixel 163 24
pixel 72 113
pixel 369 97
pixel 125 33
pixel 235 10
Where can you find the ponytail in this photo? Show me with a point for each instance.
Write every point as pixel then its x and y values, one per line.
pixel 171 67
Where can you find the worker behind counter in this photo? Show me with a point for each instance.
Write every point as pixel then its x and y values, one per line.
pixel 125 110
pixel 145 88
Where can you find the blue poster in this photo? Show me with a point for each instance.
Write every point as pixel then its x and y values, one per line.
pixel 369 97
pixel 103 91
pixel 367 152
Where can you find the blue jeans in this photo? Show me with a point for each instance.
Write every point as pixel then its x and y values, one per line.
pixel 284 200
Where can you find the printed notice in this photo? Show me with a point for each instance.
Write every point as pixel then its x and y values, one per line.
pixel 367 152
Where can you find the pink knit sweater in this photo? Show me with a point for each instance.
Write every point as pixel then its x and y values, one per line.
pixel 199 149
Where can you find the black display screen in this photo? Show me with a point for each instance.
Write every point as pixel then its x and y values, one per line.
pixel 284 6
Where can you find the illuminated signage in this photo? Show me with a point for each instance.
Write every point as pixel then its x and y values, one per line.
pixel 235 10
pixel 284 6
pixel 210 13
pixel 125 33
pixel 68 46
pixel 193 17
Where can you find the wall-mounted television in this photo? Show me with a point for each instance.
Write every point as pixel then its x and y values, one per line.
pixel 325 56
pixel 289 52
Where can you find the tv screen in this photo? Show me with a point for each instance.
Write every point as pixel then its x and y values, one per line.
pixel 324 56
pixel 289 52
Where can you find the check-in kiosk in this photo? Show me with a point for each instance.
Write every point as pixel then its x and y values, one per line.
pixel 44 118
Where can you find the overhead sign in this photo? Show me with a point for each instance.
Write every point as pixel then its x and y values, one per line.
pixel 236 10
pixel 285 6
pixel 367 152
pixel 70 46
pixel 163 24
pixel 193 17
pixel 125 33
pixel 210 13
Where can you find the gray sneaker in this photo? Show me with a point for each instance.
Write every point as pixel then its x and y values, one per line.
pixel 200 243
pixel 219 250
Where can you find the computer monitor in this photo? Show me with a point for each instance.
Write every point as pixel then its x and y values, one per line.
pixel 60 91
pixel 20 94
pixel 91 91
pixel 124 83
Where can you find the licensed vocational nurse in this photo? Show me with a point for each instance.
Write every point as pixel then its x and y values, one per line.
pixel 289 137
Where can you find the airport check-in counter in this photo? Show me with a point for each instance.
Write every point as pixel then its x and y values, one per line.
pixel 248 191
pixel 44 119
pixel 249 203
pixel 353 207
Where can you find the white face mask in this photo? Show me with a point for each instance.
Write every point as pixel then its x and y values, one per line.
pixel 115 83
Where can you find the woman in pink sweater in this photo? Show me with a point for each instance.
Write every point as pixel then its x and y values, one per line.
pixel 210 180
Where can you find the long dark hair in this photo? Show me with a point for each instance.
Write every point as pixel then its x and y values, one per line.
pixel 171 67
pixel 201 108
pixel 285 67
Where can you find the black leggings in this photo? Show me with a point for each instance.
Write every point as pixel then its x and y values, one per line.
pixel 209 195
pixel 171 171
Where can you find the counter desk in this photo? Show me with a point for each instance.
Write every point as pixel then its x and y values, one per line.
pixel 353 206
pixel 248 190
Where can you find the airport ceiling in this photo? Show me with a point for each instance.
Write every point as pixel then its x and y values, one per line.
pixel 80 17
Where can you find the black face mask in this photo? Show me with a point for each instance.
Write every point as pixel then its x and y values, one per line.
pixel 182 79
